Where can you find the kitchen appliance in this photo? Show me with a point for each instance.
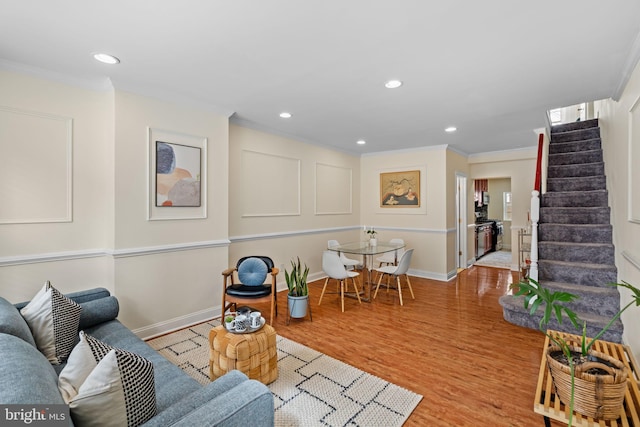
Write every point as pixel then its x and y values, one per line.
pixel 498 233
pixel 484 238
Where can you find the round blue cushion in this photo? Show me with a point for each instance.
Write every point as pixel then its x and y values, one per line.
pixel 252 272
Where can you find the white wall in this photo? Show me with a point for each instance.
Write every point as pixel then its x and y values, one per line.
pixel 623 185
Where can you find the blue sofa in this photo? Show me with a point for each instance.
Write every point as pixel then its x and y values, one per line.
pixel 27 377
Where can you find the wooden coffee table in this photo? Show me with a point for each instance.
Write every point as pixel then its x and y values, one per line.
pixel 255 354
pixel 546 402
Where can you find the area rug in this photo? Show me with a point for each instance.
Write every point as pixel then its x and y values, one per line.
pixel 312 388
pixel 499 259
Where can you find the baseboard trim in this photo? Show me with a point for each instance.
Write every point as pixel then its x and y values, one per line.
pixel 177 323
pixel 632 260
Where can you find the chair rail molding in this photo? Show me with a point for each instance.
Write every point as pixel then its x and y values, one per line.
pixel 116 253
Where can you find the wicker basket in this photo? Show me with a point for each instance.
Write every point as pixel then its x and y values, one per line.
pixel 596 396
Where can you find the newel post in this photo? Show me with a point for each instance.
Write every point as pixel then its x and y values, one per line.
pixel 535 217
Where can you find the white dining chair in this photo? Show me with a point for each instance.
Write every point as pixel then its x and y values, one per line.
pixel 335 269
pixel 349 263
pixel 390 258
pixel 395 272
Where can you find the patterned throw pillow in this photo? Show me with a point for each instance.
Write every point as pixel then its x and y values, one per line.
pixel 53 320
pixel 106 386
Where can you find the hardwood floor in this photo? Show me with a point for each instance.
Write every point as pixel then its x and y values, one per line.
pixel 450 345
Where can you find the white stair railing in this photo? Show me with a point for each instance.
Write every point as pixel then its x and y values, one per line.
pixel 535 218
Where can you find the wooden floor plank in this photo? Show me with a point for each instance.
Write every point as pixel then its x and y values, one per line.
pixel 451 345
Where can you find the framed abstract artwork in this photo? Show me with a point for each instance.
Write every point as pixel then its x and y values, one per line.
pixel 177 175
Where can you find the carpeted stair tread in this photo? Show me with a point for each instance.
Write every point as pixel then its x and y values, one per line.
pixel 581 273
pixel 603 301
pixel 578 215
pixel 595 253
pixel 575 158
pixel 577 233
pixel 571 126
pixel 570 199
pixel 576 135
pixel 573 146
pixel 580 170
pixel 588 183
pixel 514 312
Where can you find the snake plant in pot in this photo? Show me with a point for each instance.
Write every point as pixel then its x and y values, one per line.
pixel 589 382
pixel 298 295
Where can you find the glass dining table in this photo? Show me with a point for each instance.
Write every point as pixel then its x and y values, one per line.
pixel 368 251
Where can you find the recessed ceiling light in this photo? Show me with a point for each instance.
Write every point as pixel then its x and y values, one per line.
pixel 285 115
pixel 451 129
pixel 106 58
pixel 361 142
pixel 392 84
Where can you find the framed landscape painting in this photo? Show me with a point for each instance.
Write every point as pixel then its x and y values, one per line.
pixel 400 189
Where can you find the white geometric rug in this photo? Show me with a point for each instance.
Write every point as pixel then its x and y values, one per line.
pixel 312 388
pixel 498 259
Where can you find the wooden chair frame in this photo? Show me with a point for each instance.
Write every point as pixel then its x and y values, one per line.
pixel 230 300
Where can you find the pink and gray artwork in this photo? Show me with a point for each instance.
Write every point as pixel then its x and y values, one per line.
pixel 177 175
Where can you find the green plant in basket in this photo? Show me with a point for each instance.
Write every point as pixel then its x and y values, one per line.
pixel 536 296
pixel 297 279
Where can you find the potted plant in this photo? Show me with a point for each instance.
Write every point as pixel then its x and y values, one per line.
pixel 371 232
pixel 298 295
pixel 568 363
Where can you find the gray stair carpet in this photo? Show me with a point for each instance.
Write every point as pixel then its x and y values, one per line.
pixel 575 246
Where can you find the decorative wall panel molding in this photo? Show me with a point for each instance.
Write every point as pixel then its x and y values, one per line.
pixel 270 185
pixel 334 190
pixel 36 177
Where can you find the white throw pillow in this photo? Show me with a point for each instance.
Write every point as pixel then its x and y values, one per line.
pixel 82 360
pixel 106 386
pixel 53 320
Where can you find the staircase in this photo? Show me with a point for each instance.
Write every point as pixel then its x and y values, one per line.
pixel 575 248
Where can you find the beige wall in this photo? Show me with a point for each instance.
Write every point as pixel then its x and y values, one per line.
pixel 30 253
pixel 160 262
pixel 308 195
pixel 149 265
pixel 426 229
pixel 519 167
pixel 270 228
pixel 615 131
pixel 457 165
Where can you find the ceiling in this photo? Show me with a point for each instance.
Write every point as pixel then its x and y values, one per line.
pixel 491 68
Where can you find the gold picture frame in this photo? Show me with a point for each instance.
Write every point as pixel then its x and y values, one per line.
pixel 400 189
